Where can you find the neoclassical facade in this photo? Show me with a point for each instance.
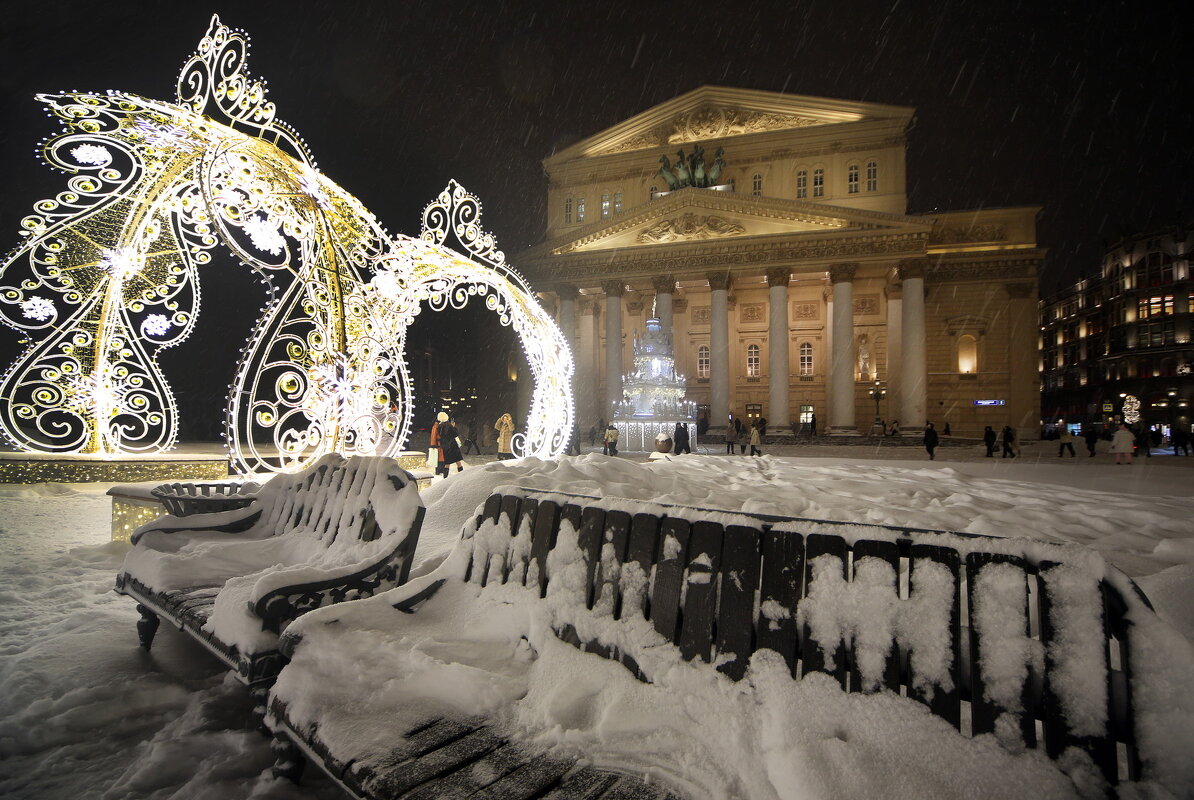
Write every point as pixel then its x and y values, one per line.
pixel 770 235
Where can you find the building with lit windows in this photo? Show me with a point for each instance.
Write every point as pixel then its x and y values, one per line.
pixel 1123 332
pixel 771 235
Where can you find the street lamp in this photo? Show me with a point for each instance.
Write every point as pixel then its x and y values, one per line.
pixel 878 392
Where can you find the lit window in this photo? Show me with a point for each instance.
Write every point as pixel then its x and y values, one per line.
pixel 752 361
pixel 617 202
pixel 818 182
pixel 806 360
pixel 801 184
pixel 852 173
pixel 604 206
pixel 703 361
pixel 568 211
pixel 872 176
pixel 806 415
pixel 756 185
pixel 967 354
pixel 580 209
pixel 1156 306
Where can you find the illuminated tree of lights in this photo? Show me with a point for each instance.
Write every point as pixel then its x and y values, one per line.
pixel 108 276
pixel 1131 409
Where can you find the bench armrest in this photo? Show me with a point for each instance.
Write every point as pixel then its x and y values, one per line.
pixel 237 520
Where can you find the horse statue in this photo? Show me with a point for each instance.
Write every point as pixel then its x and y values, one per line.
pixel 665 170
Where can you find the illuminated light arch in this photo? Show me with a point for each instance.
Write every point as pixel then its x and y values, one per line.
pixel 108 276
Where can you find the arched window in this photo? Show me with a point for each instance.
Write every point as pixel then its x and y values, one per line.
pixel 852 175
pixel 801 184
pixel 818 182
pixel 703 361
pixel 580 209
pixel 617 202
pixel 967 353
pixel 756 185
pixel 806 359
pixel 605 206
pixel 872 176
pixel 752 361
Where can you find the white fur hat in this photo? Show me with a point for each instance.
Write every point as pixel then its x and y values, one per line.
pixel 442 416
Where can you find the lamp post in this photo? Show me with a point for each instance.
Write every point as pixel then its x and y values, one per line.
pixel 877 392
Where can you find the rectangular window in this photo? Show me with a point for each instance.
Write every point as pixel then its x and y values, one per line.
pixel 618 203
pixel 818 183
pixel 754 410
pixel 1155 306
pixel 703 362
pixel 605 206
pixel 852 179
pixel 872 176
pixel 806 359
pixel 806 415
pixel 753 365
pixel 801 185
pixel 580 209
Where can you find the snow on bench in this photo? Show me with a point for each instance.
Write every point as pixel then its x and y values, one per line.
pixel 338 530
pixel 1025 640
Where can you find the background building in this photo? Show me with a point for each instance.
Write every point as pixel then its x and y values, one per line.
pixel 1124 331
pixel 771 233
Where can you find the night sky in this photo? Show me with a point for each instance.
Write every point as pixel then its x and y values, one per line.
pixel 1084 108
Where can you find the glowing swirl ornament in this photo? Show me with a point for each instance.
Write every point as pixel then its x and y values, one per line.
pixel 108 276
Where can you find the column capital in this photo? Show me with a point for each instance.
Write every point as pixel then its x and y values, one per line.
pixel 718 280
pixel 613 288
pixel 894 291
pixel 588 305
pixel 664 284
pixel 565 291
pixel 912 268
pixel 1020 291
pixel 778 276
pixel 842 273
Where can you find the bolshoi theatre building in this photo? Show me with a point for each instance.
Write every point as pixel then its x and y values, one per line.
pixel 769 234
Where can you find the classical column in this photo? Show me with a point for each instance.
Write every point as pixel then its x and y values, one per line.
pixel 1023 395
pixel 778 363
pixel 913 367
pixel 841 362
pixel 665 285
pixel 895 333
pixel 588 342
pixel 567 294
pixel 719 348
pixel 613 344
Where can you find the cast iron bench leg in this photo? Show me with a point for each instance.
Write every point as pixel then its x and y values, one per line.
pixel 288 760
pixel 147 626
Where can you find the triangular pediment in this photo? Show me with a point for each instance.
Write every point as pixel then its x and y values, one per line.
pixel 715 112
pixel 695 215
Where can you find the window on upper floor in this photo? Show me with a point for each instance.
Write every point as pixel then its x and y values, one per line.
pixel 818 182
pixel 872 176
pixel 1155 269
pixel 1159 305
pixel 703 361
pixel 580 209
pixel 1156 334
pixel 617 202
pixel 806 359
pixel 801 184
pixel 756 185
pixel 605 206
pixel 752 361
pixel 568 211
pixel 852 179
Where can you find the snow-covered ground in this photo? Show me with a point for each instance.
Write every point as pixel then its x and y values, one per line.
pixel 85 713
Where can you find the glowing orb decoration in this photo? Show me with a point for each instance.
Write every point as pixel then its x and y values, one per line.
pixel 108 277
pixel 1131 409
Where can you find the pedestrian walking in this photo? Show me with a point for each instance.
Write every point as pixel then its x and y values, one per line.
pixel 743 436
pixel 505 436
pixel 611 440
pixel 1144 442
pixel 1091 437
pixel 812 424
pixel 1065 441
pixel 1009 442
pixel 756 440
pixel 1181 440
pixel 1122 444
pixel 470 440
pixel 449 444
pixel 931 440
pixel 989 440
pixel 435 453
pixel 732 428
pixel 680 439
pixel 592 436
pixel 945 430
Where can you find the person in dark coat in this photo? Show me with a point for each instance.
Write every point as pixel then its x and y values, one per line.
pixel 989 441
pixel 945 431
pixel 812 424
pixel 740 427
pixel 1181 440
pixel 680 439
pixel 931 440
pixel 471 439
pixel 592 436
pixel 1091 437
pixel 449 443
pixel 1009 441
pixel 1144 443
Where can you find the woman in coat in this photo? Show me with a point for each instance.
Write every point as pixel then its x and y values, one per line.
pixel 1122 444
pixel 505 431
pixel 756 439
pixel 449 446
pixel 731 436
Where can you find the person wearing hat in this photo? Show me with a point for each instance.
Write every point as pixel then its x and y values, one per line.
pixel 449 445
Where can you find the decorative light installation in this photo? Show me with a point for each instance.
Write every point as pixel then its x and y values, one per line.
pixel 653 394
pixel 1131 409
pixel 108 276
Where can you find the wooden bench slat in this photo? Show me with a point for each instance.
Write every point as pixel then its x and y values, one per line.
pixel 736 607
pixel 588 540
pixel 547 526
pixel 529 781
pixel 585 783
pixel 812 655
pixel 890 553
pixel 669 577
pixel 780 582
pixel 627 787
pixel 700 598
pixel 520 546
pixel 452 756
pixel 469 780
pixel 946 704
pixel 636 569
pixel 615 538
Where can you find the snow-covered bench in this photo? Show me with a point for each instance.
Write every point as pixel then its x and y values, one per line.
pixel 1025 640
pixel 338 530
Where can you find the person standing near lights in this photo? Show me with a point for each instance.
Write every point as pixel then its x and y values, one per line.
pixel 505 431
pixel 989 440
pixel 755 439
pixel 611 440
pixel 680 439
pixel 1091 437
pixel 931 440
pixel 1122 444
pixel 1065 440
pixel 449 445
